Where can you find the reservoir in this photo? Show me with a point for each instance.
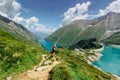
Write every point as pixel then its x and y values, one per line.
pixel 47 44
pixel 110 61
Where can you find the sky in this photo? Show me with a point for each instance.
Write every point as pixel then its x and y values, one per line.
pixel 46 16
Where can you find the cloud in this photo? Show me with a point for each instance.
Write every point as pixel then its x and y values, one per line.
pixel 33 24
pixel 9 8
pixel 79 11
pixel 12 10
pixel 112 7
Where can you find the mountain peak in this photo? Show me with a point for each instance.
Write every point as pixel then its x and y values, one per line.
pixel 113 13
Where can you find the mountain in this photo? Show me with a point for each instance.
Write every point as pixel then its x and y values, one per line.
pixel 99 28
pixel 15 29
pixel 113 39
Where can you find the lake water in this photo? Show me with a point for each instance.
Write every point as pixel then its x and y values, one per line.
pixel 110 62
pixel 48 45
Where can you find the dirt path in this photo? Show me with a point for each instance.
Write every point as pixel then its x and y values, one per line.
pixel 38 73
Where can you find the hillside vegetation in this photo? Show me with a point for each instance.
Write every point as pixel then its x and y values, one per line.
pixel 17 55
pixel 86 44
pixel 74 67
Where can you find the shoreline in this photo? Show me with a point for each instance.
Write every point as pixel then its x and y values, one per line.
pixel 114 45
pixel 101 49
pixel 117 77
pixel 97 55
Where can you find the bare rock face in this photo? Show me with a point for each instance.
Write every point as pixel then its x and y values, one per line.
pixel 99 28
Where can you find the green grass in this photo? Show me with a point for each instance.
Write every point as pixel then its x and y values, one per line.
pixel 66 36
pixel 73 67
pixel 71 34
pixel 17 56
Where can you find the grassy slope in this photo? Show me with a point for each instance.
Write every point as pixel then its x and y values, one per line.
pixel 73 67
pixel 93 32
pixel 65 36
pixel 17 56
pixel 70 35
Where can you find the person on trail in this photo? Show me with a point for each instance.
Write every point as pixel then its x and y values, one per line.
pixel 53 50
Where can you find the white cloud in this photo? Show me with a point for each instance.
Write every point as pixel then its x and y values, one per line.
pixel 3 14
pixel 112 7
pixel 32 20
pixel 79 11
pixel 12 9
pixel 33 24
pixel 16 5
pixel 9 8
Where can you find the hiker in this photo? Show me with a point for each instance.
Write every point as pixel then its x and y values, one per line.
pixel 53 50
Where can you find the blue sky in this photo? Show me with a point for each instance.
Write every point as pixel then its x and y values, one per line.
pixel 51 13
pixel 47 16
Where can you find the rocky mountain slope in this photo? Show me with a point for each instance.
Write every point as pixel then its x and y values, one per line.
pixel 99 28
pixel 113 39
pixel 15 29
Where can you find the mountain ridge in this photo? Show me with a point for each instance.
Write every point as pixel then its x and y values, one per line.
pixel 15 29
pixel 99 28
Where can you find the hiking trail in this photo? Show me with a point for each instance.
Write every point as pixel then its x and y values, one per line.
pixel 40 72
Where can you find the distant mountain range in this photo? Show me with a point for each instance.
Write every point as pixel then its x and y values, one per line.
pixel 41 35
pixel 16 30
pixel 105 28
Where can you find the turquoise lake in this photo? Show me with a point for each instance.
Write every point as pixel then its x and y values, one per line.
pixel 47 44
pixel 110 62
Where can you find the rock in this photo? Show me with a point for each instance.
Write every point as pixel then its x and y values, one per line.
pixel 47 62
pixel 8 78
pixel 79 51
pixel 42 68
pixel 89 62
pixel 94 57
pixel 90 58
